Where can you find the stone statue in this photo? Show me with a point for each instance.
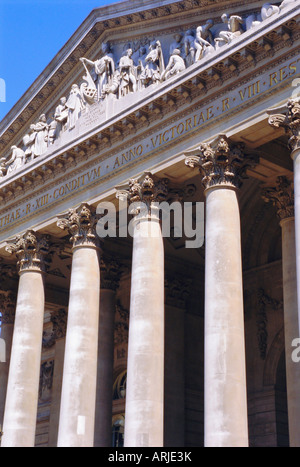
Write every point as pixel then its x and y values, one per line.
pixel 59 121
pixel 127 74
pixel 141 64
pixel 286 3
pixel 61 112
pixel 269 10
pixel 40 135
pixel 16 160
pixel 155 65
pixel 28 141
pixel 202 46
pixel 176 65
pixel 102 72
pixel 2 167
pixel 206 33
pixel 75 105
pixel 113 87
pixel 189 47
pixel 234 25
pixel 177 44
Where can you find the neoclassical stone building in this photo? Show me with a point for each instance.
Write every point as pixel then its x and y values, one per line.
pixel 139 340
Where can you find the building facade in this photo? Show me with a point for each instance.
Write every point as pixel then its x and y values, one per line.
pixel 120 329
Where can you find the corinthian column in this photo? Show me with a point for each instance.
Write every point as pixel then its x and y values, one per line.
pixel 24 371
pixel 221 165
pixel 145 370
pixel 110 275
pixel 7 309
pixel 78 399
pixel 282 196
pixel 288 117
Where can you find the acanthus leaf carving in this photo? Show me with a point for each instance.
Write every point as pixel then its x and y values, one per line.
pixel 30 249
pixel 289 119
pixel 81 225
pixel 220 162
pixel 282 197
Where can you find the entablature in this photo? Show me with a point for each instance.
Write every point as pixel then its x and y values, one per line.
pixel 215 93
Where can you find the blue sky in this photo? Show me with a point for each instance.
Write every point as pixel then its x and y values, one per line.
pixel 31 33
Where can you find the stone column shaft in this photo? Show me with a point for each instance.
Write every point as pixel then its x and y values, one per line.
pixel 7 308
pixel 225 378
pixel 282 196
pixel 78 399
pixel 296 159
pixel 145 371
pixel 291 325
pixel 110 272
pixel 144 424
pixel 226 421
pixel 23 383
pixel 288 117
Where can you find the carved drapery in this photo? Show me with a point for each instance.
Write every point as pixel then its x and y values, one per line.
pixel 220 162
pixel 30 249
pixel 81 225
pixel 282 197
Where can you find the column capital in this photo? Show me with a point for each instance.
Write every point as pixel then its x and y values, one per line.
pixel 288 117
pixel 7 307
pixel 146 189
pixel 282 197
pixel 221 162
pixel 81 224
pixel 30 249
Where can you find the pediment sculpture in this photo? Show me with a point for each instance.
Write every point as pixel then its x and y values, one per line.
pixel 143 63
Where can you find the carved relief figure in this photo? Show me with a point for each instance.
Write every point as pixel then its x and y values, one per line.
pixel 103 70
pixel 189 48
pixel 177 44
pixel 28 141
pixel 127 74
pixel 234 25
pixel 2 167
pixel 40 132
pixel 202 46
pixel 61 114
pixel 155 65
pixel 59 121
pixel 286 3
pixel 141 64
pixel 16 160
pixel 75 105
pixel 268 10
pixel 175 65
